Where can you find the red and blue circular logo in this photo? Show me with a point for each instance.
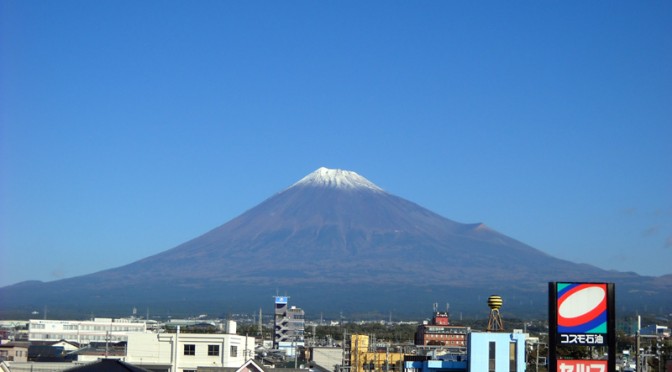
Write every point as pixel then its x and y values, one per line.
pixel 582 308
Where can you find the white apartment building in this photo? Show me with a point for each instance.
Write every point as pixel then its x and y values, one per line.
pixel 185 352
pixel 84 332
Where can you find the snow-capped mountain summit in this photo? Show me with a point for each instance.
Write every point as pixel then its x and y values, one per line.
pixel 338 178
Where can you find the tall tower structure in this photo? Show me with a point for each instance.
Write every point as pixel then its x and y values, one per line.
pixel 280 320
pixel 495 320
pixel 289 326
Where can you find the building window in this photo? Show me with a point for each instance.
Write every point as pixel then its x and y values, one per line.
pixel 189 349
pixel 491 356
pixel 513 360
pixel 233 352
pixel 213 350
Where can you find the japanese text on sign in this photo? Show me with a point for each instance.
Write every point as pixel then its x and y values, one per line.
pixel 581 339
pixel 582 366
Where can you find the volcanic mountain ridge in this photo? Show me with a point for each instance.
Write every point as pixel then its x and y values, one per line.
pixel 337 240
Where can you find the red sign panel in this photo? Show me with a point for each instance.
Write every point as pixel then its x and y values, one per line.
pixel 582 365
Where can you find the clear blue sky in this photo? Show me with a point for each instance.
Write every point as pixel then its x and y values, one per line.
pixel 127 128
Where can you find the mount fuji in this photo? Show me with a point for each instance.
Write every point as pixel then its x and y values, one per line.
pixel 333 241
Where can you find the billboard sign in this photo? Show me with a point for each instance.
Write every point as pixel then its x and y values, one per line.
pixel 581 313
pixel 281 299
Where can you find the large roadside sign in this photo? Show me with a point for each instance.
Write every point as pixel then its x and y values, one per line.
pixel 581 314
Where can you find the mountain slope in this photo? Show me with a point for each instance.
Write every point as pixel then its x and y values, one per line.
pixel 331 231
pixel 345 232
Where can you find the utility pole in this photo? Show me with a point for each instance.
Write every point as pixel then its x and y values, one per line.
pixel 314 334
pixel 387 358
pixel 261 327
pixel 638 366
pixel 107 340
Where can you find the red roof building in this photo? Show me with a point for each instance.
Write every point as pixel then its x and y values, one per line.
pixel 439 332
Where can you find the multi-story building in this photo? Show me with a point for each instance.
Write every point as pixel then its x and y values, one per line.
pixel 84 332
pixel 505 351
pixel 175 352
pixel 439 332
pixel 486 351
pixel 289 324
pixel 184 352
pixel 365 357
pixel 655 330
